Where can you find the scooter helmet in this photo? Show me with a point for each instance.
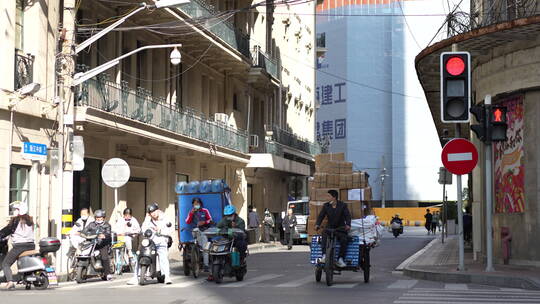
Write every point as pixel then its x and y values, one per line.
pixel 229 210
pixel 100 213
pixel 152 207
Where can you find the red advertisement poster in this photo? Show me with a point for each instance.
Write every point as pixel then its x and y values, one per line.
pixel 509 166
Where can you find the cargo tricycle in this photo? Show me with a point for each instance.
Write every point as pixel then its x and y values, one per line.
pixel 356 258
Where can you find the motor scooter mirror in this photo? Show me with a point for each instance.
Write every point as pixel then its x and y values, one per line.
pixel 169 225
pixel 129 224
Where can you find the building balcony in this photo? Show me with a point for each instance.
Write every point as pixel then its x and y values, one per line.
pixel 280 142
pixel 140 106
pixel 24 69
pixel 262 60
pixel 224 30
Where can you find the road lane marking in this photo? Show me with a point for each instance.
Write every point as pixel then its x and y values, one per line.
pixel 297 283
pixel 402 284
pixel 254 280
pixel 469 300
pixel 455 287
pixel 343 285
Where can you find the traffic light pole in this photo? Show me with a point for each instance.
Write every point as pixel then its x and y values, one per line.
pixel 461 241
pixel 489 199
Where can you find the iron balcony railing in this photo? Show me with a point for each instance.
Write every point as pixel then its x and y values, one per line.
pixel 140 105
pixel 24 69
pixel 280 139
pixel 263 60
pixel 223 29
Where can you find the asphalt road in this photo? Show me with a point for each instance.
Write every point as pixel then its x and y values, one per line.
pixel 280 276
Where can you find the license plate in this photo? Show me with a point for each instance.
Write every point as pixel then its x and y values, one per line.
pixel 51 275
pixel 303 235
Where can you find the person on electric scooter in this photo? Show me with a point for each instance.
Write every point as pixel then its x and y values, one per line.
pixel 162 229
pixel 75 232
pixel 203 220
pixel 338 216
pixel 397 219
pixel 232 220
pixel 103 229
pixel 21 230
pixel 127 227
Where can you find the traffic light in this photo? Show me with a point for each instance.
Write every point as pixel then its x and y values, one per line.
pixel 480 129
pixel 497 123
pixel 455 87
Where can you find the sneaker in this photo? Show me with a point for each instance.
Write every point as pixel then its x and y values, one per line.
pixel 341 263
pixel 133 281
pixel 210 278
pixel 168 281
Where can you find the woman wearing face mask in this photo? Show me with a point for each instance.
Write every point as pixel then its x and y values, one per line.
pixel 21 230
pixel 75 233
pixel 202 218
pixel 269 224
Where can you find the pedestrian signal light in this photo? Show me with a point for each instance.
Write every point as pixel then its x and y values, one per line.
pixel 455 87
pixel 497 123
pixel 480 129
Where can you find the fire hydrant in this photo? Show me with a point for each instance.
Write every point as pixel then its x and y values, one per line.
pixel 506 238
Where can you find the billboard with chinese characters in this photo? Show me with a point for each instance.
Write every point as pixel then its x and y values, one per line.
pixel 509 168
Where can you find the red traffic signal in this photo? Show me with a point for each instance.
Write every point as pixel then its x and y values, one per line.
pixel 455 72
pixel 455 66
pixel 498 114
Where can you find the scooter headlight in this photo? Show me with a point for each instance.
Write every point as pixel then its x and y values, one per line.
pixel 145 242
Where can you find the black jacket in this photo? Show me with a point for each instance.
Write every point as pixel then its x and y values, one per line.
pixel 337 217
pixel 94 228
pixel 288 222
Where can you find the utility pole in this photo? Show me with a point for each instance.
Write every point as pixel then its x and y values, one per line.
pixel 383 177
pixel 489 198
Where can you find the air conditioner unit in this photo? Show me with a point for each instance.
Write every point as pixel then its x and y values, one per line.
pixel 222 118
pixel 254 141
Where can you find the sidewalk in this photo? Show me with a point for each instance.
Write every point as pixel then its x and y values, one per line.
pixel 439 262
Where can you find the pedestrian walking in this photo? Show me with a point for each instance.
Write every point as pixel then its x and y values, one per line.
pixel 429 218
pixel 467 225
pixel 254 223
pixel 434 222
pixel 269 224
pixel 289 225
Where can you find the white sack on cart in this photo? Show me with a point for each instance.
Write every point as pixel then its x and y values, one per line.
pixel 367 229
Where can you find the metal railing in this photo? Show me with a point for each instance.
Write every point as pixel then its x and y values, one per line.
pixel 223 29
pixel 321 40
pixel 24 69
pixel 291 140
pixel 140 105
pixel 263 60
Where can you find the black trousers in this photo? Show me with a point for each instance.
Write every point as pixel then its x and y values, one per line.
pixel 105 258
pixel 289 238
pixel 341 237
pixel 12 255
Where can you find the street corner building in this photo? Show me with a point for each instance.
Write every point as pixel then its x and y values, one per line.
pixel 206 93
pixel 502 41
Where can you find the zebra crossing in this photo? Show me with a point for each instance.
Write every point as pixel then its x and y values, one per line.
pixel 414 294
pixel 460 293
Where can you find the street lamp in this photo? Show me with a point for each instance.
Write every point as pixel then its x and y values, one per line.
pixel 142 6
pixel 176 57
pixel 83 76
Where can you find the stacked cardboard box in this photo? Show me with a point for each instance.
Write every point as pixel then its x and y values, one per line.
pixel 334 173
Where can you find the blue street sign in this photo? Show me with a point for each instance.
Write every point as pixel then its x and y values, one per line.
pixel 34 151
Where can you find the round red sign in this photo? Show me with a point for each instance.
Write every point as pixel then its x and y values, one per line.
pixel 459 156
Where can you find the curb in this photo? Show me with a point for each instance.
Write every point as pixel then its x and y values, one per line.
pixel 467 278
pixel 415 256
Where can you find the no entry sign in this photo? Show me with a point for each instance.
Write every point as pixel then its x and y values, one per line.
pixel 459 156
